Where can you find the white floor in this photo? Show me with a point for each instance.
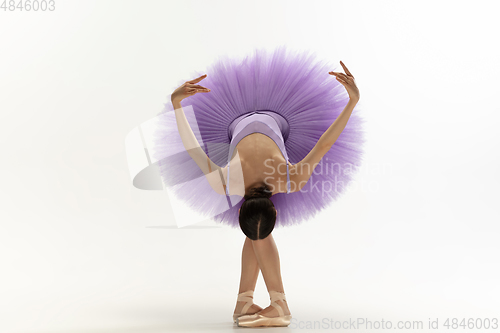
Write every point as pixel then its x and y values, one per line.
pixel 113 274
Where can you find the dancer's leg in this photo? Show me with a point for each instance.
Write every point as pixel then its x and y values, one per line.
pixel 269 262
pixel 249 274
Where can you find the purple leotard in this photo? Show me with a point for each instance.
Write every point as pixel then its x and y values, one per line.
pixel 263 121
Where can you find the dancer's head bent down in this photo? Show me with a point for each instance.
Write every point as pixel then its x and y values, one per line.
pixel 257 214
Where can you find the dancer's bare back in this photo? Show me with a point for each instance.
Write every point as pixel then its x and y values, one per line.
pixel 256 160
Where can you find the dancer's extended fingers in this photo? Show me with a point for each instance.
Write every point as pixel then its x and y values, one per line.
pixel 345 68
pixel 341 77
pixel 196 90
pixel 339 74
pixel 197 79
pixel 336 74
pixel 195 86
pixel 341 80
pixel 344 77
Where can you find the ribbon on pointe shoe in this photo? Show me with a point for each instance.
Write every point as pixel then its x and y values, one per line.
pixel 244 297
pixel 257 319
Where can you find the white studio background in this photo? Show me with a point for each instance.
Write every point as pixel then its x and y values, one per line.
pixel 82 250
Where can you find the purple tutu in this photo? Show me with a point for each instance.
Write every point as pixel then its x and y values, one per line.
pixel 293 84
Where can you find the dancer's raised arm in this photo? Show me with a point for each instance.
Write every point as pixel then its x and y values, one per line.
pixel 212 171
pixel 302 171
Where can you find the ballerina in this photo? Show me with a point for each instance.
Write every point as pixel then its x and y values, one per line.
pixel 260 169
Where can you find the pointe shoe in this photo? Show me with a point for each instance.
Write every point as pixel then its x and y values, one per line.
pixel 244 297
pixel 257 319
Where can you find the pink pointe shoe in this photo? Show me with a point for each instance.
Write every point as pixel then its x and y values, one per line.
pixel 244 297
pixel 256 319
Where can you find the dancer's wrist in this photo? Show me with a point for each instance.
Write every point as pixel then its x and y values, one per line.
pixel 354 99
pixel 176 102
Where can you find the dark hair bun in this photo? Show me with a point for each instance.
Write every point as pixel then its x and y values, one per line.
pixel 257 213
pixel 259 192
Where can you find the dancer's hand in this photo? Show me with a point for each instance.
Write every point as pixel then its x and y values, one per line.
pixel 188 88
pixel 347 80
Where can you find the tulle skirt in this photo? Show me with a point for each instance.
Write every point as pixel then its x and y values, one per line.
pixel 294 84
